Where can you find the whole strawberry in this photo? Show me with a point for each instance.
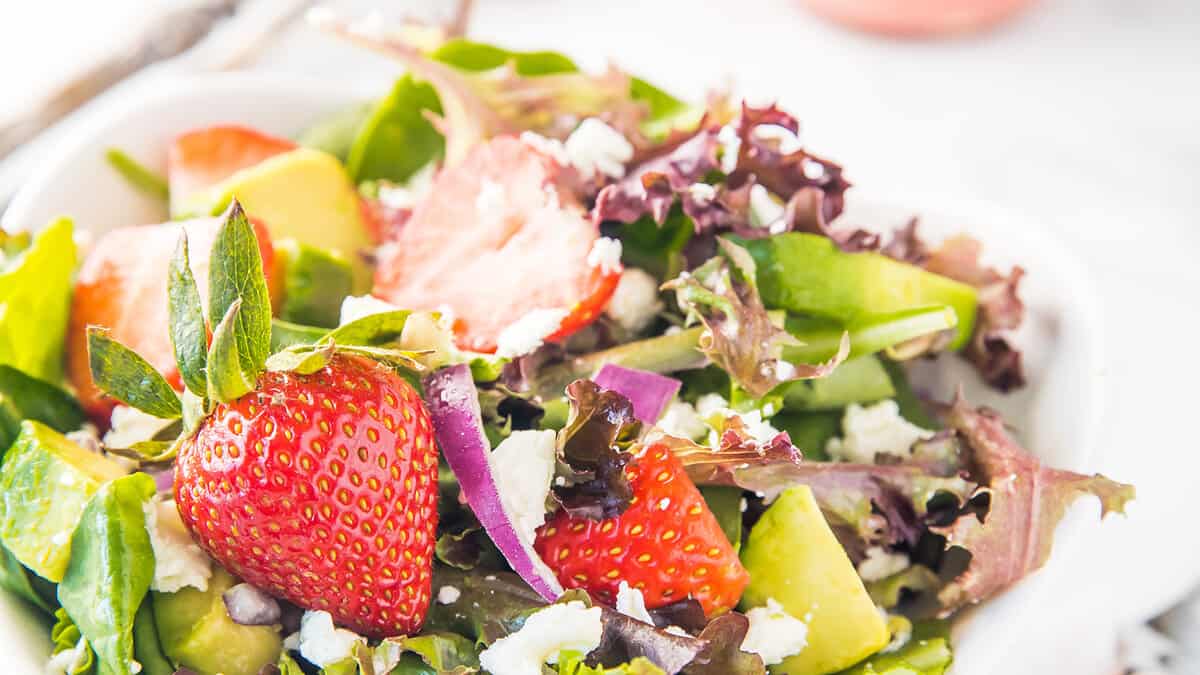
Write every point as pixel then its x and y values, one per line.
pixel 310 472
pixel 667 543
pixel 321 489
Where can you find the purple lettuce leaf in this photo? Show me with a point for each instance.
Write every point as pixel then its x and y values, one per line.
pixel 1027 501
pixel 1000 309
pixel 722 654
pixel 740 336
pixel 593 452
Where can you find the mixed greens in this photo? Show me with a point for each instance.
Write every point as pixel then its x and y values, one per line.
pixel 518 369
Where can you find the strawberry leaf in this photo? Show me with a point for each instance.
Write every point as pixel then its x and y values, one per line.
pixel 226 379
pixel 122 373
pixel 373 330
pixel 236 274
pixel 189 335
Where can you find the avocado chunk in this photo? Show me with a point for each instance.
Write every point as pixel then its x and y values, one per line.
pixel 196 632
pixel 858 380
pixel 45 481
pixel 808 274
pixel 304 194
pixel 315 281
pixel 794 558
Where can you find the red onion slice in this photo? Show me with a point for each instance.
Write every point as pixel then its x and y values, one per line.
pixel 458 424
pixel 650 393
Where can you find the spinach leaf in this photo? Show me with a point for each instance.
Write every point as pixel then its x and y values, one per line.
pixel 35 300
pixel 34 399
pixel 666 111
pixel 17 580
pixel 146 647
pixel 111 567
pixel 335 134
pixel 396 140
pixel 477 56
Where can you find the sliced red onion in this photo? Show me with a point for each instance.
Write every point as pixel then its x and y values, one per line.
pixel 164 480
pixel 248 606
pixel 458 423
pixel 650 393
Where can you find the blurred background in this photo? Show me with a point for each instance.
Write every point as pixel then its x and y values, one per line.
pixel 1081 116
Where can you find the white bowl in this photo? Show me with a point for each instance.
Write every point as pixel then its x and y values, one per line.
pixel 1055 414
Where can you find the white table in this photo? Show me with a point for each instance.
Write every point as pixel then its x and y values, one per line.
pixel 1083 114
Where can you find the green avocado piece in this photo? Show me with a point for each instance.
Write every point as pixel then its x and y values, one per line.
pixel 304 194
pixel 858 380
pixel 45 481
pixel 196 632
pixel 315 282
pixel 795 559
pixel 807 274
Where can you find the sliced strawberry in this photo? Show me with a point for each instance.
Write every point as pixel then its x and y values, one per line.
pixel 321 489
pixel 122 285
pixel 667 544
pixel 201 158
pixel 497 237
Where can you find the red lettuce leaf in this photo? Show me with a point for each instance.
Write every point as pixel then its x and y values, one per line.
pixel 1027 502
pixel 741 338
pixel 650 393
pixel 593 452
pixel 1000 309
pixel 722 654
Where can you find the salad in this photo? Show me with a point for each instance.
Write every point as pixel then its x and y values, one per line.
pixel 518 369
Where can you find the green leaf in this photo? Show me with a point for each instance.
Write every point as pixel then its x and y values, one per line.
pixel 35 301
pixel 666 112
pixel 574 663
pixel 121 372
pixel 227 381
pixel 112 565
pixel 34 399
pixel 15 579
pixel 335 133
pixel 397 139
pixel 492 604
pixel 185 313
pixel 478 56
pixel 286 334
pixel 137 175
pixel 443 652
pixel 372 330
pixel 726 504
pixel 315 283
pixel 146 647
pixel 868 334
pixel 303 360
pixel 65 635
pixel 288 666
pixel 858 380
pixel 236 273
pixel 927 652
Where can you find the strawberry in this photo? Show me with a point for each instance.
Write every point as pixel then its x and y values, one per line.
pixel 498 235
pixel 322 489
pixel 201 158
pixel 667 543
pixel 122 286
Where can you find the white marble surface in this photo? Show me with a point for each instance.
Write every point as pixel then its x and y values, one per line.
pixel 1082 114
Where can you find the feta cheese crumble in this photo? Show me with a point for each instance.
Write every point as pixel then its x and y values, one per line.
pixel 632 603
pixel 596 147
pixel 130 425
pixel 873 430
pixel 765 210
pixel 881 564
pixel 682 421
pixel 523 466
pixel 605 254
pixel 178 561
pixel 713 409
pixel 774 634
pixel 730 144
pixel 356 307
pixel 635 303
pixel 551 147
pixel 67 661
pixel 448 595
pixel 570 626
pixel 782 137
pixel 528 332
pixel 321 643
